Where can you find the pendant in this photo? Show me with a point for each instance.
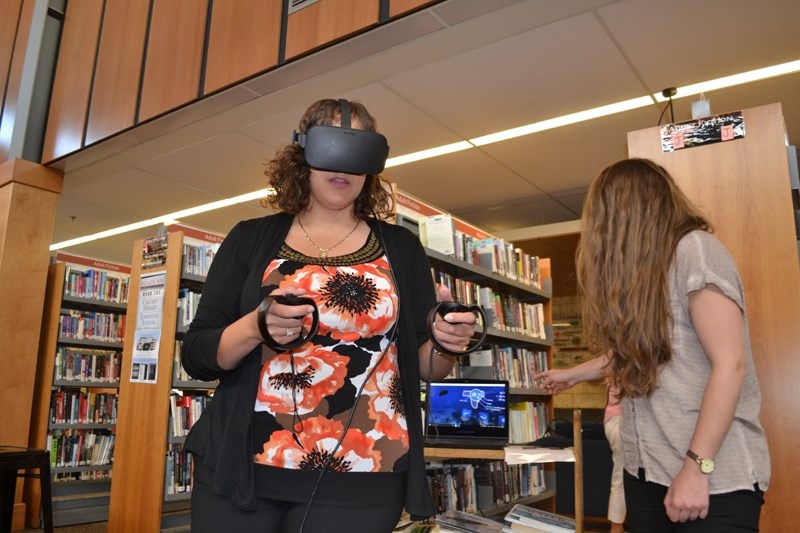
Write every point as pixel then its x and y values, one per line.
pixel 323 253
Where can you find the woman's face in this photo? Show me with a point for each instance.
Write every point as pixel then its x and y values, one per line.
pixel 335 190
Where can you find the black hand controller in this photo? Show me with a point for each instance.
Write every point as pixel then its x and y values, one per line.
pixel 443 308
pixel 286 299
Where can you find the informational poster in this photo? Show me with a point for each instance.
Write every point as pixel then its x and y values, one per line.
pixel 147 337
pixel 702 131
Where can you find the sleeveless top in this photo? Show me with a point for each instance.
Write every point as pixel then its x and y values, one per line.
pixel 346 374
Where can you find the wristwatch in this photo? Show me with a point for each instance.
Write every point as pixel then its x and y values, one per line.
pixel 706 465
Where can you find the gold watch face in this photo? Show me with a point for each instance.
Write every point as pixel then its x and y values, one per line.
pixel 706 466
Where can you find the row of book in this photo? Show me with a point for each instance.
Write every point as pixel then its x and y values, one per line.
pixel 527 422
pixel 87 365
pixel 78 447
pixel 177 470
pixel 502 311
pixel 518 366
pixel 439 232
pixel 471 488
pixel 185 410
pixel 82 407
pixel 197 258
pixel 92 325
pixel 188 301
pixel 96 285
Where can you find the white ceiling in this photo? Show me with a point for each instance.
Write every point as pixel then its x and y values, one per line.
pixel 458 70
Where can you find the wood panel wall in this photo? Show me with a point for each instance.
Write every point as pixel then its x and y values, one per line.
pixel 742 186
pixel 327 21
pixel 244 39
pixel 118 67
pixel 122 62
pixel 174 56
pixel 9 21
pixel 72 83
pixel 15 18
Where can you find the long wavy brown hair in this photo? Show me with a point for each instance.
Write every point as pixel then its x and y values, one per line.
pixel 287 173
pixel 633 218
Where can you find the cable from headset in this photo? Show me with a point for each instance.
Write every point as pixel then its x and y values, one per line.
pixel 392 337
pixel 346 428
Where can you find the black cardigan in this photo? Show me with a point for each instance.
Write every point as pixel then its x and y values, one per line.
pixel 222 437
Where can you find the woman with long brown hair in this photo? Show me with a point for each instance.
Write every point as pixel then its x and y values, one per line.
pixel 662 300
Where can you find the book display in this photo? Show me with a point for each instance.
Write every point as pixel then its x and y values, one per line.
pixel 513 291
pixel 153 472
pixel 80 358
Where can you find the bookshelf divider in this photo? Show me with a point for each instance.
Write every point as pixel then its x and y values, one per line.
pixel 137 491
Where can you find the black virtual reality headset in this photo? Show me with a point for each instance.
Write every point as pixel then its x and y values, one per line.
pixel 343 149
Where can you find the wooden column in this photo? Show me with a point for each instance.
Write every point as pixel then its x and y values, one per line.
pixel 742 186
pixel 28 195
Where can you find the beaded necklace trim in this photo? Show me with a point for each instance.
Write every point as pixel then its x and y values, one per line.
pixel 371 251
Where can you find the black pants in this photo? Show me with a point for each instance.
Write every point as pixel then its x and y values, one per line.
pixel 733 512
pixel 212 513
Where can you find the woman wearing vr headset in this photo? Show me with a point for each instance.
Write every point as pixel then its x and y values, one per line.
pixel 317 431
pixel 662 298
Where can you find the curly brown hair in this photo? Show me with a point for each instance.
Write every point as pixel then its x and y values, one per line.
pixel 633 218
pixel 288 173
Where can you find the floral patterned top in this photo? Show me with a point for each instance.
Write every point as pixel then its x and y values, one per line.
pixel 348 368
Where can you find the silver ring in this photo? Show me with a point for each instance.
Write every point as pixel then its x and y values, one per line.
pixel 289 332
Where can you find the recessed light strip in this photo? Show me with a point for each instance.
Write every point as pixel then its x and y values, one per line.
pixel 255 195
pixel 736 79
pixel 573 118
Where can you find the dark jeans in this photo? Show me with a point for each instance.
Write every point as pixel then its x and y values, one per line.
pixel 732 512
pixel 212 513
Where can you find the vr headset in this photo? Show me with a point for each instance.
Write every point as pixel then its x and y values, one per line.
pixel 343 149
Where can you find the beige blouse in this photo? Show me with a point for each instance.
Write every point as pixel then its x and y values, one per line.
pixel 656 431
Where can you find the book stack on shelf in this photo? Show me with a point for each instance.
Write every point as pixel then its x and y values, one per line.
pixel 80 357
pixel 524 519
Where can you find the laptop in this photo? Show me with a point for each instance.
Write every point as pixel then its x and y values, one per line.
pixel 467 413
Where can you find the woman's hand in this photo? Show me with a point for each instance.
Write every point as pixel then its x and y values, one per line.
pixel 687 497
pixel 285 322
pixel 556 381
pixel 455 330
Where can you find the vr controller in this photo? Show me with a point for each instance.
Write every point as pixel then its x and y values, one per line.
pixel 343 149
pixel 443 308
pixel 287 299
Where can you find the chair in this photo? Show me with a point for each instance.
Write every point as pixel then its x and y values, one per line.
pixel 12 460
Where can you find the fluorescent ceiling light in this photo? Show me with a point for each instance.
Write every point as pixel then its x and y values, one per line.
pixel 737 79
pixel 572 118
pixel 580 116
pixel 164 219
pixel 427 154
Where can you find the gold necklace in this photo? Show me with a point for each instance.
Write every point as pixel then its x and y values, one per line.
pixel 323 252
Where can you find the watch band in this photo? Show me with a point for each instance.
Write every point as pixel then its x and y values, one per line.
pixel 706 465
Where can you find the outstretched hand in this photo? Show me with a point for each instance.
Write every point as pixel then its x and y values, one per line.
pixel 555 381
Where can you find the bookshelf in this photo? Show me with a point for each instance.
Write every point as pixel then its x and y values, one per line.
pixel 76 401
pixel 152 473
pixel 514 292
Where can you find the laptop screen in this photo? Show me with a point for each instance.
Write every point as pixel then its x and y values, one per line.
pixel 469 408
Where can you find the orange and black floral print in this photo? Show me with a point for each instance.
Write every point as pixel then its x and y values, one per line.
pixel 386 400
pixel 318 372
pixel 315 444
pixel 354 302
